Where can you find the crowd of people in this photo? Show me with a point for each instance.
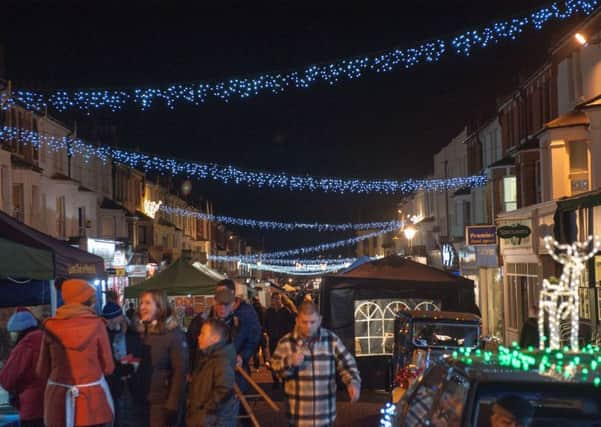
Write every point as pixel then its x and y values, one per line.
pixel 82 365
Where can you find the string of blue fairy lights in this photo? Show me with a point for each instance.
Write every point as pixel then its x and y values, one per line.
pixel 304 270
pixel 276 83
pixel 279 226
pixel 233 175
pixel 300 251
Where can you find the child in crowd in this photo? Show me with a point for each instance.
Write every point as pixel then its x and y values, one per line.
pixel 211 399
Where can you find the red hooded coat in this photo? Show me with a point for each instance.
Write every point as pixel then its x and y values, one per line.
pixel 18 376
pixel 76 350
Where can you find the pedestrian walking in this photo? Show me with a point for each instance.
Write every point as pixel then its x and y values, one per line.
pixel 211 399
pixel 279 320
pixel 158 385
pixel 18 376
pixel 117 326
pixel 75 356
pixel 307 359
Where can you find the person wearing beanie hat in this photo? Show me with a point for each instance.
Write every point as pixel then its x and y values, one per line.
pixel 76 355
pixel 18 375
pixel 77 291
pixel 511 411
pixel 21 321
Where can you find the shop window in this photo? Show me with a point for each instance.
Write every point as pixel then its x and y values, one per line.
pixel 522 292
pixel 510 193
pixel 579 176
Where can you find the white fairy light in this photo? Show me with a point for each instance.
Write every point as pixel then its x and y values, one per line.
pixel 562 300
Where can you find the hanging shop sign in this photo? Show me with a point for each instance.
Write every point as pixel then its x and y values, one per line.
pixel 515 233
pixel 476 235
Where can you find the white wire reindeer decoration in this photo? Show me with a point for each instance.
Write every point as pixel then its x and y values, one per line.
pixel 561 301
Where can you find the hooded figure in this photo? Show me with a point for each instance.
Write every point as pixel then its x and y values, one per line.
pixel 18 375
pixel 75 356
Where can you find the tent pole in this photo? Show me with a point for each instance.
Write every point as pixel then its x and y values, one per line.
pixel 53 298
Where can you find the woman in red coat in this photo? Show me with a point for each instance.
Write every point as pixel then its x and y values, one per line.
pixel 76 355
pixel 18 375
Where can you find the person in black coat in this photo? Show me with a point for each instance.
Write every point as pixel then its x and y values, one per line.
pixel 279 320
pixel 159 383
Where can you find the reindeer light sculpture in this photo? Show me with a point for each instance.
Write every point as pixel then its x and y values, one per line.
pixel 561 301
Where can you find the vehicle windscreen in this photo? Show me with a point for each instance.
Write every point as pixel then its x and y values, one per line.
pixel 437 334
pixel 554 405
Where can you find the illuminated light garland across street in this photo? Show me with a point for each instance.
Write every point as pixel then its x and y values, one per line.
pixel 331 73
pixel 311 261
pixel 301 270
pixel 232 175
pixel 304 250
pixel 282 226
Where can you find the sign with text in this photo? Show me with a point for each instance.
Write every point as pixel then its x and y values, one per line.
pixel 477 235
pixel 514 232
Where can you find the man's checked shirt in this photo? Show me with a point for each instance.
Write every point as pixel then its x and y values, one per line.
pixel 310 388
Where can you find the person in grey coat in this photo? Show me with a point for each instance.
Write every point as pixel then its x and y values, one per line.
pixel 211 399
pixel 159 383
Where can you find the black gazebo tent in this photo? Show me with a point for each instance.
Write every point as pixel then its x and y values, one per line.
pixel 394 278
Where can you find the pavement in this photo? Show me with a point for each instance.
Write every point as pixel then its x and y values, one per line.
pixel 364 413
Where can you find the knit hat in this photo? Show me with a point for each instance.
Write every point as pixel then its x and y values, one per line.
pixel 20 321
pixel 224 296
pixel 111 310
pixel 76 291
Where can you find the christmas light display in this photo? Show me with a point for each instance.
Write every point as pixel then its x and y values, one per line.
pixel 290 262
pixel 301 251
pixel 298 270
pixel 561 301
pixel 281 226
pixel 232 175
pixel 151 207
pixel 564 364
pixel 277 83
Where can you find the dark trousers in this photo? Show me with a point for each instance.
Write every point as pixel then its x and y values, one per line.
pixel 33 423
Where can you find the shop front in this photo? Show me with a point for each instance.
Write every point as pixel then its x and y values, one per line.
pixel 525 262
pixel 480 263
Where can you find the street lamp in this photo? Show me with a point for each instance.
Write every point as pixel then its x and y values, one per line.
pixel 409 234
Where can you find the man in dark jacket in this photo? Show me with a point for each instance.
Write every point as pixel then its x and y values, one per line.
pixel 247 329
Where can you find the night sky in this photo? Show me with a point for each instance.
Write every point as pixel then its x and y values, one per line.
pixel 382 126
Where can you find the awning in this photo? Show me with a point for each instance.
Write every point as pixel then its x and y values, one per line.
pixel 180 278
pixel 68 261
pixel 20 261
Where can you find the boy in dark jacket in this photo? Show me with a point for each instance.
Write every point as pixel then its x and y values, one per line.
pixel 211 400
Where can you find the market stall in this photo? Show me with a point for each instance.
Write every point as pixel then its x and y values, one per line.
pixel 360 305
pixel 31 258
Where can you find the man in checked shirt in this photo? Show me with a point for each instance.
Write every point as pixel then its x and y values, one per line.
pixel 307 359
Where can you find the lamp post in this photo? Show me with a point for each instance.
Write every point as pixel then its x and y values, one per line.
pixel 410 234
